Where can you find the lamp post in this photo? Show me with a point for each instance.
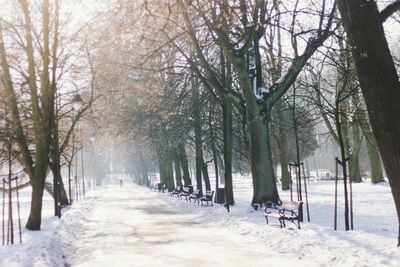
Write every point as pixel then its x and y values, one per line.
pixel 76 101
pixel 93 162
pixel 57 174
pixel 69 170
pixel 76 106
pixel 83 172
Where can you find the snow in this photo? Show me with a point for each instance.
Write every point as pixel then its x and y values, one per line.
pixel 136 226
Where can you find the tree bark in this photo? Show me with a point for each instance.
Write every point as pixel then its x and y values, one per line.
pixel 227 126
pixel 166 172
pixel 283 146
pixel 213 146
pixel 63 194
pixel 264 184
pixel 184 165
pixel 144 170
pixel 169 174
pixel 197 135
pixel 342 144
pixel 379 83
pixel 64 198
pixel 206 177
pixel 355 172
pixel 374 160
pixel 178 173
pixel 35 214
pixel 161 169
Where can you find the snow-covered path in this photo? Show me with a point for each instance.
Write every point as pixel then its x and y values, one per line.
pixel 134 226
pixel 128 226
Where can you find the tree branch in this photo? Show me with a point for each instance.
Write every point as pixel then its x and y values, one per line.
pixel 12 103
pixel 389 10
pixel 283 84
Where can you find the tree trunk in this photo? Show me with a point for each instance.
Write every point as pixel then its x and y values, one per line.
pixel 137 171
pixel 166 172
pixel 374 160
pixel 213 139
pixel 35 215
pixel 37 180
pixel 64 198
pixel 342 144
pixel 283 146
pixel 372 149
pixel 227 121
pixel 354 170
pixel 63 194
pixel 206 177
pixel 379 83
pixel 355 173
pixel 144 170
pixel 197 135
pixel 227 128
pixel 178 173
pixel 169 174
pixel 161 169
pixel 184 165
pixel 264 185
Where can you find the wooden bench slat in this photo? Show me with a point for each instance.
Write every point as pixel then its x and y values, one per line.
pixel 290 211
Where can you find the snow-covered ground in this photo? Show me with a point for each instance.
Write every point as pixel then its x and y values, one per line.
pixel 135 226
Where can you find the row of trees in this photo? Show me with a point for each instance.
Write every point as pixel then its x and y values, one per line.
pixel 237 83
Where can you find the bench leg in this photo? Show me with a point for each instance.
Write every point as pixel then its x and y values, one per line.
pixel 266 219
pixel 283 222
pixel 294 222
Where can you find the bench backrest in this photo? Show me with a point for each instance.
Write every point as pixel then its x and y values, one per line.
pixel 294 207
pixel 291 205
pixel 209 194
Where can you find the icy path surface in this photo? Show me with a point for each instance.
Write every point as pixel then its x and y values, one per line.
pixel 130 226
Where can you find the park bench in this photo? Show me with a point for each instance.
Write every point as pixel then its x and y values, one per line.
pixel 207 198
pixel 285 211
pixel 176 191
pixel 161 187
pixel 195 196
pixel 186 192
